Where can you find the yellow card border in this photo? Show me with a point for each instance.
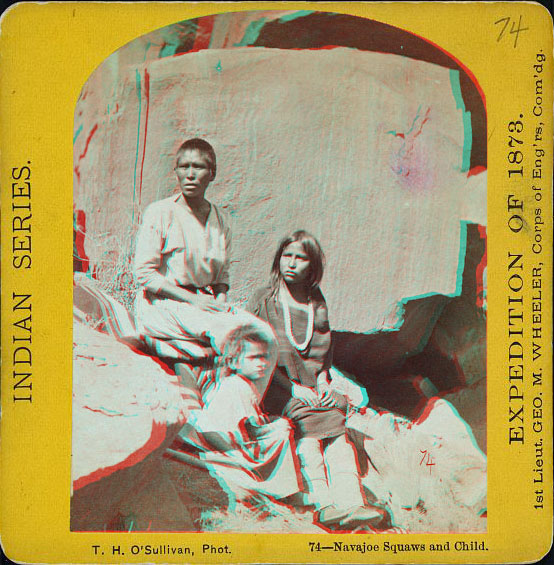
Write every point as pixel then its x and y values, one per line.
pixel 47 52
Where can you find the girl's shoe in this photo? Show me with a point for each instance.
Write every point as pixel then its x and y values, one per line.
pixel 364 516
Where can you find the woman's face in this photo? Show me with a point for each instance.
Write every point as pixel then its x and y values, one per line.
pixel 294 264
pixel 193 172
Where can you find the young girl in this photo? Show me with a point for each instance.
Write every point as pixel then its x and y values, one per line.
pixel 302 388
pixel 245 452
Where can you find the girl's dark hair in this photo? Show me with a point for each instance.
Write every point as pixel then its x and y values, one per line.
pixel 313 250
pixel 203 147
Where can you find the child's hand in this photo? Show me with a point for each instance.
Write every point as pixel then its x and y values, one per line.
pixel 252 426
pixel 305 394
pixel 281 424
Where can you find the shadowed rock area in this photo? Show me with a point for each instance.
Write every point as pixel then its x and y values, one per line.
pixel 438 350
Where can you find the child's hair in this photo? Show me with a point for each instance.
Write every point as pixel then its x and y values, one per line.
pixel 313 251
pixel 233 345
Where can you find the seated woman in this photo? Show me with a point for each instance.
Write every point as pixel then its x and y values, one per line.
pixel 302 388
pixel 243 450
pixel 182 264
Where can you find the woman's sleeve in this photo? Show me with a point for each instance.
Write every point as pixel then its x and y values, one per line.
pixel 223 277
pixel 148 251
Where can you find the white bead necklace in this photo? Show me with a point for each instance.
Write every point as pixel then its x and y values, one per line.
pixel 288 323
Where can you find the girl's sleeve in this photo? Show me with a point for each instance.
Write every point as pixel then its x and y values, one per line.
pixel 148 251
pixel 328 359
pixel 231 403
pixel 282 378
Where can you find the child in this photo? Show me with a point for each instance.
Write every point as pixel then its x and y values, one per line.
pixel 245 452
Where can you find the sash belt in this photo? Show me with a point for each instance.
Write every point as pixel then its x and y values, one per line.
pixel 190 287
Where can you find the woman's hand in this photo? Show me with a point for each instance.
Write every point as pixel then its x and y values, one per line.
pixel 208 303
pixel 203 301
pixel 220 292
pixel 305 394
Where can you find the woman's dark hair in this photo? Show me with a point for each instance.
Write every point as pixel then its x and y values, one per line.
pixel 313 250
pixel 203 147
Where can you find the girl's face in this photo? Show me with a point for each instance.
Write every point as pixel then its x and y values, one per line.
pixel 294 264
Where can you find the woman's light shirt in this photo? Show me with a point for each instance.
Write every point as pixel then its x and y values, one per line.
pixel 173 244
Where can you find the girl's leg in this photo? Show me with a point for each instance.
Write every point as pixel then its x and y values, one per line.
pixel 313 471
pixel 345 487
pixel 344 482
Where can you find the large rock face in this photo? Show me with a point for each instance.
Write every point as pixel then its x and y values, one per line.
pixel 127 409
pixel 125 406
pixel 366 150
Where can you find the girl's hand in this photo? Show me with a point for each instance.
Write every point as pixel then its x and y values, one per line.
pixel 305 394
pixel 329 398
pixel 326 395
